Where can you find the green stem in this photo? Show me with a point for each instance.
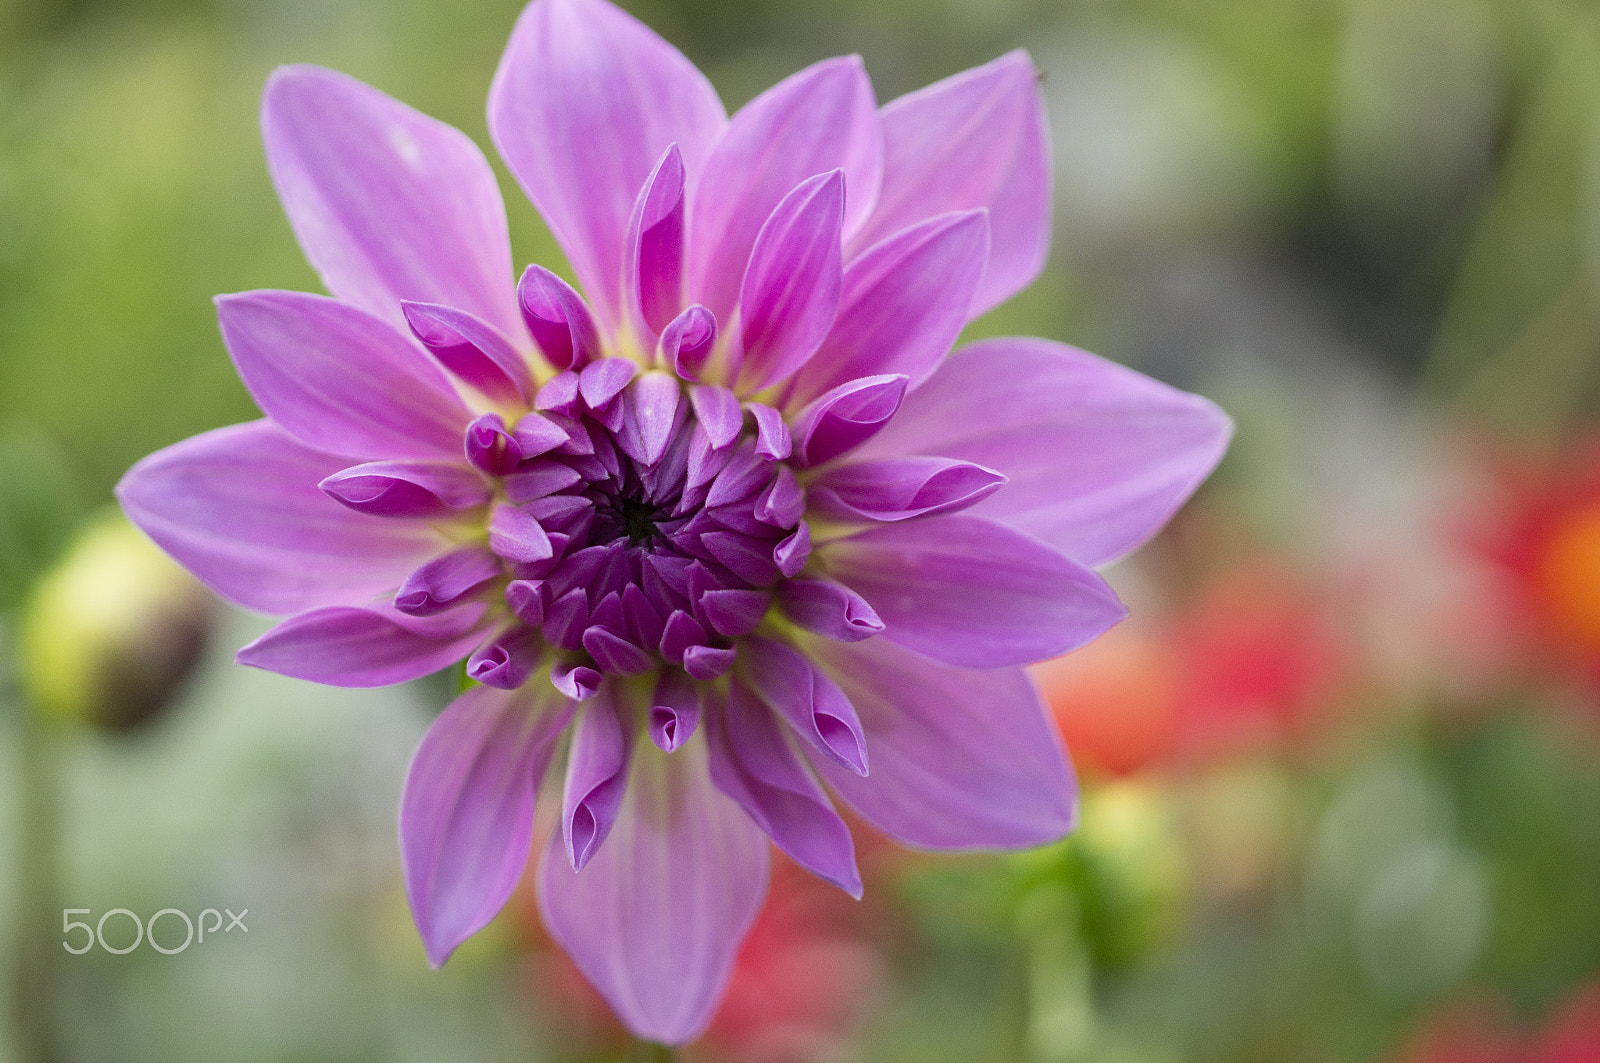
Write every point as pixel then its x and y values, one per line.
pixel 651 1052
pixel 36 972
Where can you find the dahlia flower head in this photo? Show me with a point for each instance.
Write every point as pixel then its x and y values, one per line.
pixel 729 511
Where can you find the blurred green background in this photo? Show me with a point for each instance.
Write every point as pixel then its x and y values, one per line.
pixel 1342 768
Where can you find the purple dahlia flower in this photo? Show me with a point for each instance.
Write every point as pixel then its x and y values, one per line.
pixel 733 515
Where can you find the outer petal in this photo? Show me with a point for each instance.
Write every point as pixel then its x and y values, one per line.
pixel 675 710
pixel 1098 456
pixel 902 488
pixel 753 763
pixel 973 593
pixel 688 342
pixel 960 759
pixel 471 348
pixel 508 659
pixel 828 609
pixel 584 102
pixel 407 488
pixel 339 379
pixel 345 646
pixel 806 698
pixel 655 918
pixel 466 814
pixel 653 265
pixel 388 204
pixel 845 416
pixel 903 305
pixel 448 580
pixel 559 321
pixel 820 119
pixel 597 774
pixel 239 507
pixel 978 139
pixel 792 288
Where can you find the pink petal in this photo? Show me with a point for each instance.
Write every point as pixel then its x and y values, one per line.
pixel 466 814
pixel 603 380
pixel 239 507
pixel 559 396
pixel 472 349
pixel 447 581
pixel 753 763
pixel 517 536
pixel 675 710
pixel 577 681
pixel 973 593
pixel 783 501
pixel 585 101
pixel 1098 456
pixel 744 477
pixel 536 434
pixel 792 287
pixel 490 447
pixel 559 321
pixel 807 700
pixel 614 653
pixel 734 611
pixel 656 917
pixel 407 488
pixel 791 554
pixel 717 411
pixel 388 204
pixel 901 488
pixel 845 416
pixel 345 646
pixel 708 662
pixel 526 598
pixel 688 341
pixel 535 480
pixel 772 434
pixel 978 139
pixel 340 380
pixel 817 120
pixel 960 759
pixel 743 556
pixel 904 303
pixel 680 632
pixel 653 285
pixel 829 610
pixel 507 660
pixel 653 415
pixel 705 464
pixel 597 777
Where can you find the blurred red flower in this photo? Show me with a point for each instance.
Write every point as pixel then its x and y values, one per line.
pixel 1573 1033
pixel 1480 1033
pixel 1251 660
pixel 803 978
pixel 1476 1032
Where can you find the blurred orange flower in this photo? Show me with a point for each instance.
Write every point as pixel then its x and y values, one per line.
pixel 1541 528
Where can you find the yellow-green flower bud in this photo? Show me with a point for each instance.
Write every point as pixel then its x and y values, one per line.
pixel 1132 871
pixel 111 629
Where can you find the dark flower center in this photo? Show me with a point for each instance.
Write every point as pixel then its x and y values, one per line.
pixel 633 518
pixel 636 543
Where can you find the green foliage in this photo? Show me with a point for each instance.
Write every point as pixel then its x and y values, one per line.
pixel 39 508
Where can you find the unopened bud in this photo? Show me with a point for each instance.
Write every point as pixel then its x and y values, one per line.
pixel 111 630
